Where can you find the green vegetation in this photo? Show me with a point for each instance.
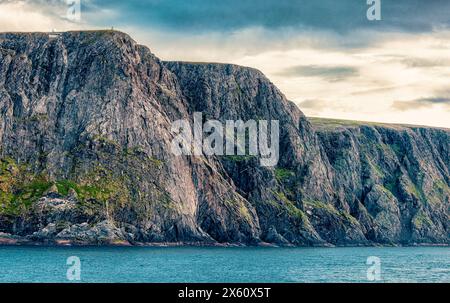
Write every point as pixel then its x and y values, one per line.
pixel 415 191
pixel 321 205
pixel 349 217
pixel 412 188
pixel 375 168
pixel 332 210
pixel 101 185
pixel 137 151
pixel 391 186
pixel 289 206
pixel 240 206
pixel 439 193
pixel 39 117
pixel 19 187
pixel 165 201
pixel 386 191
pixel 396 148
pixel 158 163
pixel 441 188
pixel 105 140
pixel 421 219
pixel 65 185
pixel 282 174
pixel 325 123
pixel 87 192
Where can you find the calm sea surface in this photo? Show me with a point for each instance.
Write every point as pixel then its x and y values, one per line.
pixel 187 264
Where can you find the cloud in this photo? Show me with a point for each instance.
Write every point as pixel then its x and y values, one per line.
pixel 382 89
pixel 435 100
pixel 328 73
pixel 421 62
pixel 227 16
pixel 324 55
pixel 314 104
pixel 35 15
pixel 443 99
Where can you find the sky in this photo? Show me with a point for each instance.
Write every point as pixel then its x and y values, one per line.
pixel 324 55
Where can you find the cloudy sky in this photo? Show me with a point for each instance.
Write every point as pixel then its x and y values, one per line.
pixel 325 55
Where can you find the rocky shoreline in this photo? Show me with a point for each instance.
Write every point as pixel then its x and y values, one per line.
pixel 12 240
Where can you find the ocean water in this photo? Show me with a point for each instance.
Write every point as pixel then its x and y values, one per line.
pixel 212 264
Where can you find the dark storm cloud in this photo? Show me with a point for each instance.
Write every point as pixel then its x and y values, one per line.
pixel 328 73
pixel 219 15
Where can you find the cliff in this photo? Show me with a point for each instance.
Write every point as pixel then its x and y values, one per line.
pixel 85 142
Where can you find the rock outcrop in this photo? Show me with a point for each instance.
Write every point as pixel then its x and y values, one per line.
pixel 394 179
pixel 85 149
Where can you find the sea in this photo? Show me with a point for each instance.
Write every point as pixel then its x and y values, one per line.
pixel 224 264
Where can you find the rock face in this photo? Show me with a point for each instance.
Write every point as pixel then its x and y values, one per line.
pixel 85 149
pixel 394 179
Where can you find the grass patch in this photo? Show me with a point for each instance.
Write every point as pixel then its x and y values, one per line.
pixel 421 219
pixel 19 187
pixel 104 140
pixel 442 188
pixel 332 210
pixel 325 123
pixel 290 207
pixel 415 191
pixel 282 174
pixel 321 205
pixel 138 151
pixel 240 206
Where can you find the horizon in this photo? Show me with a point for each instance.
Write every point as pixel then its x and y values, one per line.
pixel 226 63
pixel 325 57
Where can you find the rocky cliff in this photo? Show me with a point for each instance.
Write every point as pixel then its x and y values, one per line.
pixel 85 138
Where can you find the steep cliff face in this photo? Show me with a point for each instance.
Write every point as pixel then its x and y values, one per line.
pixel 229 92
pixel 85 154
pixel 393 178
pixel 91 112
